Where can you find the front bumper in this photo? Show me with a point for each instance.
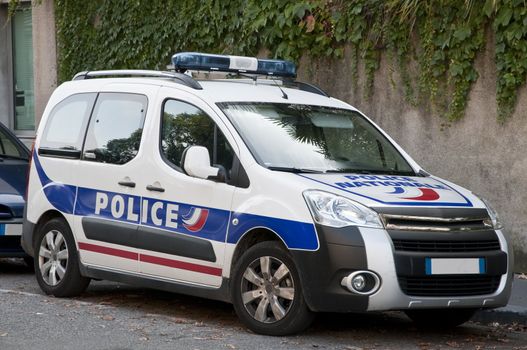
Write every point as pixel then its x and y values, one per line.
pixel 343 251
pixel 382 259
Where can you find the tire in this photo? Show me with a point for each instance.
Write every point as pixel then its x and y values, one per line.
pixel 57 269
pixel 279 314
pixel 440 318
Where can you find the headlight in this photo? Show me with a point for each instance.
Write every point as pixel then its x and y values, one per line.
pixel 494 218
pixel 335 211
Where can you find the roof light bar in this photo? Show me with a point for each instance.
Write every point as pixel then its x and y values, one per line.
pixel 237 64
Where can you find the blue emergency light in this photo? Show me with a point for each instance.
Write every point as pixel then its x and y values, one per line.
pixel 236 64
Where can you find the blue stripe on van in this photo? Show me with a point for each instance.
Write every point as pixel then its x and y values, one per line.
pixel 60 195
pixel 140 210
pixel 295 234
pixel 81 201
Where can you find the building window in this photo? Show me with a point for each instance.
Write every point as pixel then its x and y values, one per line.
pixel 23 70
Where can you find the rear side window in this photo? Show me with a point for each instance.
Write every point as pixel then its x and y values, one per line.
pixel 67 122
pixel 115 129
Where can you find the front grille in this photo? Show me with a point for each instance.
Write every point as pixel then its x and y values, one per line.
pixel 5 212
pixel 445 246
pixel 449 286
pixel 430 223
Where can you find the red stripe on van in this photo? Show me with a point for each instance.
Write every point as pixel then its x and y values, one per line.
pixel 214 271
pixel 108 251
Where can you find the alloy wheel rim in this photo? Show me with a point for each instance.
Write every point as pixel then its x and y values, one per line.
pixel 53 257
pixel 267 289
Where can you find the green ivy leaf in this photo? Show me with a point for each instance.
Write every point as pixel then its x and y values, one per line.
pixel 504 16
pixel 488 8
pixel 456 69
pixel 462 33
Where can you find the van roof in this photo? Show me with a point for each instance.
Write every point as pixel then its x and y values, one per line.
pixel 259 89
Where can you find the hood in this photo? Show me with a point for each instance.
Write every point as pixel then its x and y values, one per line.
pixel 389 190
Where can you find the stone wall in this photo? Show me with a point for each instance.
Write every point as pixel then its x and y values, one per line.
pixel 44 55
pixel 476 152
pixel 6 73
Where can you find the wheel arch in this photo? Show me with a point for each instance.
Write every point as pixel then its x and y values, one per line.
pixel 250 238
pixel 45 217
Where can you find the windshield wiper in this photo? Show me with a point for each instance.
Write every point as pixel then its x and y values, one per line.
pixel 372 171
pixel 294 170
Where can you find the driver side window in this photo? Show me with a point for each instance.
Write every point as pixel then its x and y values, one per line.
pixel 185 125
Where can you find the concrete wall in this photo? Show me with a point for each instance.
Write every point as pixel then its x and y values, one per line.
pixel 6 71
pixel 44 55
pixel 476 152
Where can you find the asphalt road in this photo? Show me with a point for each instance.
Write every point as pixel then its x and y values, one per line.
pixel 117 316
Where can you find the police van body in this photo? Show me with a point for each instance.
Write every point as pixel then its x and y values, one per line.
pixel 267 194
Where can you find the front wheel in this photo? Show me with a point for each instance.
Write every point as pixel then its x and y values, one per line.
pixel 57 262
pixel 440 318
pixel 267 293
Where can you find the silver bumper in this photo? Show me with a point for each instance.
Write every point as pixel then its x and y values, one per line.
pixel 380 257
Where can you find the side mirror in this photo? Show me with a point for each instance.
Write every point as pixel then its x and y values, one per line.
pixel 196 163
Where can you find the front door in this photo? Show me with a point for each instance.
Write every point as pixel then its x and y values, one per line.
pixel 185 219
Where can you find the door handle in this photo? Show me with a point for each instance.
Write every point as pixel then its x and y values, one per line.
pixel 155 188
pixel 127 183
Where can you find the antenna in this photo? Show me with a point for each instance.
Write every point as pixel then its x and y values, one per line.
pixel 284 95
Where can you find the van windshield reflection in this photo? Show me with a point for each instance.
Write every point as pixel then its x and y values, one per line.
pixel 314 139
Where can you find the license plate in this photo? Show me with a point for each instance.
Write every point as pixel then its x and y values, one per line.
pixel 454 266
pixel 10 229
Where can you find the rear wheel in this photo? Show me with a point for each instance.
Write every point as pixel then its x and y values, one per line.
pixel 57 261
pixel 267 293
pixel 440 318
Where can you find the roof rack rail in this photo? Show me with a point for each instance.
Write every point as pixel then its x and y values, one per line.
pixel 178 77
pixel 305 87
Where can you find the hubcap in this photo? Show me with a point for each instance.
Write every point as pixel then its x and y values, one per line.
pixel 267 289
pixel 53 257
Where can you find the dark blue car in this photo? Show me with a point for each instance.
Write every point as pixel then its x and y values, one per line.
pixel 14 161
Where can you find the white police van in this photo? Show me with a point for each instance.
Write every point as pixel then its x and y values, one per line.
pixel 263 191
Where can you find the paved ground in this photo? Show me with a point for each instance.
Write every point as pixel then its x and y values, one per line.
pixel 115 316
pixel 515 311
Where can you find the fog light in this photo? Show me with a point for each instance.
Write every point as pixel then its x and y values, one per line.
pixel 362 282
pixel 359 282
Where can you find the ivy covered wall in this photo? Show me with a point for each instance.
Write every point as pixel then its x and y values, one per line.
pixel 443 36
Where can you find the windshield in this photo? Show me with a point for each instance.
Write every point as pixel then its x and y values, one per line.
pixel 303 138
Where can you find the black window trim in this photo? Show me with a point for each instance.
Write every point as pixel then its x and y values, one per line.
pixel 59 153
pixel 82 151
pixel 240 179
